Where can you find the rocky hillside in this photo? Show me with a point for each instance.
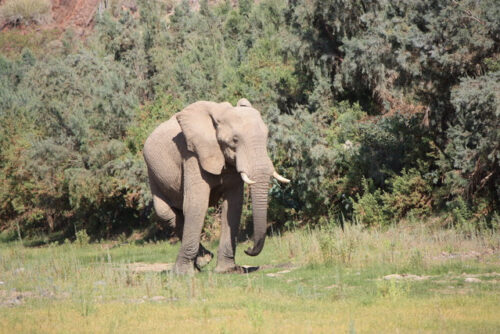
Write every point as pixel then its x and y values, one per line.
pixel 79 13
pixel 63 14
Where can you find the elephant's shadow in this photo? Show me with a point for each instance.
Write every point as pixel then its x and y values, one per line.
pixel 237 270
pixel 249 269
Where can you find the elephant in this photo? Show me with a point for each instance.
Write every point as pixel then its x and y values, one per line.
pixel 203 154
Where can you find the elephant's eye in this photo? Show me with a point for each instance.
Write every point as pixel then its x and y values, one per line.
pixel 235 140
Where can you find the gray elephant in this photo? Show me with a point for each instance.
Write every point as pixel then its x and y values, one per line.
pixel 202 154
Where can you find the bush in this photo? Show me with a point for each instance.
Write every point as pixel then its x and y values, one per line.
pixel 471 160
pixel 409 193
pixel 368 208
pixel 376 109
pixel 68 162
pixel 148 118
pixel 82 238
pixel 317 151
pixel 26 12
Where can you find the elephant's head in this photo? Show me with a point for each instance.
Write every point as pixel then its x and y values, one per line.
pixel 222 135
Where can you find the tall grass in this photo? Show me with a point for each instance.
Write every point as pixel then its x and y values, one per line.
pixel 26 12
pixel 408 247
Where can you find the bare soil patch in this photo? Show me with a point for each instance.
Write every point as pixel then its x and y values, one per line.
pixel 466 255
pixel 410 277
pixel 141 267
pixel 9 298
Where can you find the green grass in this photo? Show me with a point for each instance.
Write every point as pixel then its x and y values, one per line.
pixel 309 281
pixel 13 42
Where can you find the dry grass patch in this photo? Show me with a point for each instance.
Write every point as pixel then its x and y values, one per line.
pixel 408 246
pixel 309 281
pixel 26 12
pixel 456 314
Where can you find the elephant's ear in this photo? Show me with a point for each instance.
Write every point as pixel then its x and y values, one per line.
pixel 201 138
pixel 243 103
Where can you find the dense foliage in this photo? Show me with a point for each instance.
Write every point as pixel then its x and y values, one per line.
pixel 378 110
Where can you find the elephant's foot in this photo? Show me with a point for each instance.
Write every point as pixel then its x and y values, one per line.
pixel 203 258
pixel 185 267
pixel 229 269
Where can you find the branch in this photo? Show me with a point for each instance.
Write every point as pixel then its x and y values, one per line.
pixel 468 12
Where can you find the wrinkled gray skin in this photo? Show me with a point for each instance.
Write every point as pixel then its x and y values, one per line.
pixel 194 159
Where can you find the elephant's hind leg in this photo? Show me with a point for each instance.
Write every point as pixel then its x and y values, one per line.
pixel 174 218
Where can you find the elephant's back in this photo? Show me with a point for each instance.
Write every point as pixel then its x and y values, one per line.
pixel 162 153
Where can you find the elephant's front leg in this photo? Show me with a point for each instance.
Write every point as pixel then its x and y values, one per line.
pixel 195 205
pixel 231 215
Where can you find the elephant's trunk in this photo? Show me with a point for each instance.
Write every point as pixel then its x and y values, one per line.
pixel 259 193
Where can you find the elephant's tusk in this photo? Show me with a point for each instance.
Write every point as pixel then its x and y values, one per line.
pixel 245 178
pixel 280 178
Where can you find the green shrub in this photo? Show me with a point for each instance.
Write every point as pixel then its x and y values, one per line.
pixel 409 193
pixel 376 110
pixel 149 117
pixel 368 208
pixel 26 11
pixel 393 289
pixel 471 158
pixel 407 59
pixel 82 238
pixel 319 152
pixel 461 216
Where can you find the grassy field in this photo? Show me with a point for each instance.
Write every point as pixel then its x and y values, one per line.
pixel 13 42
pixel 401 280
